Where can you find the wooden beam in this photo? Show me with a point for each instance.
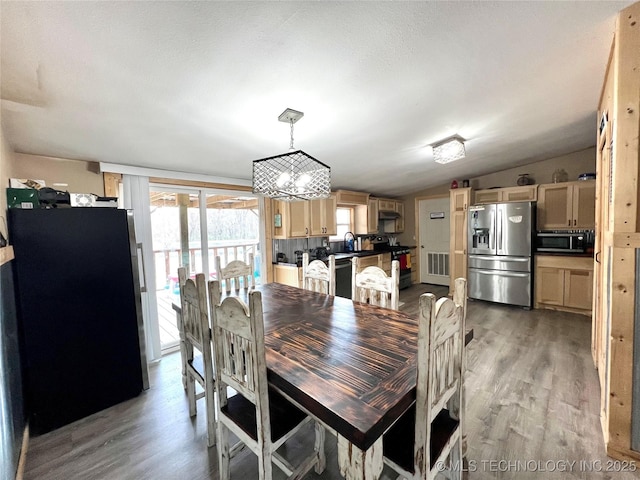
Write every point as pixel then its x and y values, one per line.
pixel 627 120
pixel 111 184
pixel 190 183
pixel 622 335
pixel 626 240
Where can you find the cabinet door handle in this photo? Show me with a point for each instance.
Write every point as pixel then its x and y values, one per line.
pixel 306 230
pixel 569 224
pixel 574 222
pixel 597 259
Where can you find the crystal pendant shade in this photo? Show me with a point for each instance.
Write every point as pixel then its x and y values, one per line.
pixel 291 176
pixel 449 150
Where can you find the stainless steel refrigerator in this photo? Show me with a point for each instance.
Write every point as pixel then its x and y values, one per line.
pixel 500 252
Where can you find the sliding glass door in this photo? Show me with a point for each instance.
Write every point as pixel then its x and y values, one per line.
pixel 192 227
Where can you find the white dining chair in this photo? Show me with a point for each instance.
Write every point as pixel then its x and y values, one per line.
pixel 372 285
pixel 196 335
pixel 260 417
pixel 427 439
pixel 236 274
pixel 318 277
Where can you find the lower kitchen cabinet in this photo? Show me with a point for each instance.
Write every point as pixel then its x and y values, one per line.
pixel 288 275
pixel 414 265
pixel 564 283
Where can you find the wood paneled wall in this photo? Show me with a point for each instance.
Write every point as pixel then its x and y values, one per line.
pixel 618 228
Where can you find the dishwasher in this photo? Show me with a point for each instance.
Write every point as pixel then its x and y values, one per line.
pixel 343 278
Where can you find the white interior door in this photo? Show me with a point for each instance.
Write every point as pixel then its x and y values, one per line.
pixel 433 224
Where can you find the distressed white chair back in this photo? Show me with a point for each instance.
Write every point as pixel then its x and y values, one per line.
pixel 439 383
pixel 197 343
pixel 236 274
pixel 238 336
pixel 372 285
pixel 318 277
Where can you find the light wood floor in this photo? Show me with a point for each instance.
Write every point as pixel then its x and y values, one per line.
pixel 532 400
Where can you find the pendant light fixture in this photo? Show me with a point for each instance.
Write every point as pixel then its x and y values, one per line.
pixel 294 175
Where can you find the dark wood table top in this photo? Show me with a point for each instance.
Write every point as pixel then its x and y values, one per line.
pixel 351 365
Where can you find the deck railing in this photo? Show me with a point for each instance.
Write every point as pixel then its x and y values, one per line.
pixel 168 260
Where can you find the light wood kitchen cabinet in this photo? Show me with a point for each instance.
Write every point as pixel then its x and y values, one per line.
pixel 291 219
pixel 459 210
pixel 288 275
pixel 386 204
pixel 567 206
pixel 400 219
pixel 366 220
pixel 370 261
pixel 305 218
pixel 348 197
pixel 564 283
pixel 527 193
pixel 385 261
pixel 414 265
pixel 322 217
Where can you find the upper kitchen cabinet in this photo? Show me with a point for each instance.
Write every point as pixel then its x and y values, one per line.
pixel 386 204
pixel 400 219
pixel 527 193
pixel 305 218
pixel 291 219
pixel 366 217
pixel 323 217
pixel 348 198
pixel 567 206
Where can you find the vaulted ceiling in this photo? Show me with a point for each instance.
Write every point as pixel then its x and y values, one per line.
pixel 198 86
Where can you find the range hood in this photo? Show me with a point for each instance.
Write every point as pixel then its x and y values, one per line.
pixel 388 215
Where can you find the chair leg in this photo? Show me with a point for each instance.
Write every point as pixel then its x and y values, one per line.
pixel 319 449
pixel 210 401
pixel 456 466
pixel 191 394
pixel 265 466
pixel 223 451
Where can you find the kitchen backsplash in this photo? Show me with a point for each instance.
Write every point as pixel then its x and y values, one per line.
pixel 289 247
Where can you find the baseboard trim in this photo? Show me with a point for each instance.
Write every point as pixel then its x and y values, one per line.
pixel 621 453
pixel 23 454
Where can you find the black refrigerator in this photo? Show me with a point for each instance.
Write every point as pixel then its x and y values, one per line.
pixel 79 312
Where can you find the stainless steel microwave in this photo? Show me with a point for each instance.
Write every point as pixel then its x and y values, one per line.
pixel 565 241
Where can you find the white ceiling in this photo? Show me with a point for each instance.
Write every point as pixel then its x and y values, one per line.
pixel 198 86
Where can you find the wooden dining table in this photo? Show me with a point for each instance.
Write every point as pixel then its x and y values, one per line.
pixel 350 365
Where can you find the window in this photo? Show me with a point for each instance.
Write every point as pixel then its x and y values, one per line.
pixel 344 218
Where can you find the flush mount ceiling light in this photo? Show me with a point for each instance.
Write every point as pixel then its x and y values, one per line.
pixel 294 175
pixel 449 149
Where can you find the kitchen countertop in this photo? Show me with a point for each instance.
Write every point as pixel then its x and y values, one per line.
pixel 340 256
